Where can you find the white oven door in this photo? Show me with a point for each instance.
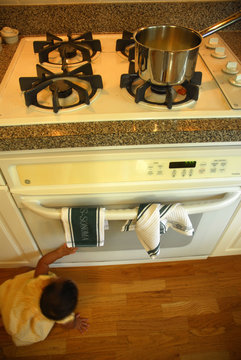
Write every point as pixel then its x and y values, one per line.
pixel 210 211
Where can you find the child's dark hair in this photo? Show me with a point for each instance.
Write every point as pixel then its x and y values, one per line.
pixel 59 299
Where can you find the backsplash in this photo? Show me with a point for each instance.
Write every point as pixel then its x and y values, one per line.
pixel 114 16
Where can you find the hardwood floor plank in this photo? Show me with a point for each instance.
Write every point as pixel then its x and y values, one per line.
pixel 213 355
pixel 152 326
pixel 99 274
pixel 210 324
pixel 190 307
pixel 139 286
pixel 143 353
pixel 237 317
pixel 140 311
pixel 195 283
pixel 110 300
pixel 47 347
pixel 154 297
pixel 229 303
pixel 168 270
pixel 34 357
pixel 97 345
pixel 158 343
pixel 198 345
pixel 103 355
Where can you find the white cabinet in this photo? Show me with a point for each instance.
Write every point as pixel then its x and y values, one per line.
pixel 230 242
pixel 16 243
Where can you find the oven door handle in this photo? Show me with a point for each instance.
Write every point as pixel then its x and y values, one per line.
pixel 128 214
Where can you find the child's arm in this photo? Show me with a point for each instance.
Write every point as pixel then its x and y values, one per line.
pixel 42 267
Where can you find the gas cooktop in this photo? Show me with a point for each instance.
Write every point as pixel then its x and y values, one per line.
pixel 38 87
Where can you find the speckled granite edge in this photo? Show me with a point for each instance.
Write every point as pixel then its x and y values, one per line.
pixel 114 17
pixel 119 133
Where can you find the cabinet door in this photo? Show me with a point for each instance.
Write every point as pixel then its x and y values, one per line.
pixel 16 243
pixel 230 242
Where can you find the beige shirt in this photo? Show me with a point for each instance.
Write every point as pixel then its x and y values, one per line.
pixel 20 311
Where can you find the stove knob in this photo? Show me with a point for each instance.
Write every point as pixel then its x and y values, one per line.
pixel 213 43
pixel 231 67
pixel 219 52
pixel 236 80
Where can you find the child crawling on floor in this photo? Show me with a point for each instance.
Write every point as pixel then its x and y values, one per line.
pixel 31 303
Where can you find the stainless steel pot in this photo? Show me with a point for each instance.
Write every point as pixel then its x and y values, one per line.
pixel 167 54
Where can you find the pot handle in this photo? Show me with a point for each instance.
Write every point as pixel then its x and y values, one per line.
pixel 221 24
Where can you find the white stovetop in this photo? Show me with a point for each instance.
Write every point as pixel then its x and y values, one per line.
pixel 111 103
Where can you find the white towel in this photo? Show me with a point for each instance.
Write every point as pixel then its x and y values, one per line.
pixel 176 217
pixel 84 227
pixel 153 220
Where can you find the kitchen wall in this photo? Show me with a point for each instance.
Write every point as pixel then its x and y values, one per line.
pixel 111 16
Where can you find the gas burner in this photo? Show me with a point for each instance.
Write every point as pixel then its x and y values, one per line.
pixel 152 94
pixel 72 51
pixel 60 91
pixel 126 45
pixel 62 88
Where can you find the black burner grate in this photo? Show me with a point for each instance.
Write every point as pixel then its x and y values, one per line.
pixel 60 86
pixel 188 90
pixel 126 45
pixel 84 44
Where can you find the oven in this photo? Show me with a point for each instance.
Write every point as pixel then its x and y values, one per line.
pixel 90 78
pixel 206 182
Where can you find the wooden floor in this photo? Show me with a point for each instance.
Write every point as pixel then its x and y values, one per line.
pixel 177 311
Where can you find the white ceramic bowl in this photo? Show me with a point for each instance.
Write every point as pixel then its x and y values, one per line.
pixel 10 36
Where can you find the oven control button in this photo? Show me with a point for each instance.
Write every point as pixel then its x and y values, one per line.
pixel 236 80
pixel 150 170
pixel 174 172
pixel 190 173
pixel 219 52
pixel 231 67
pixel 213 43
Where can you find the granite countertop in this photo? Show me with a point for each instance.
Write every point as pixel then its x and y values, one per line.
pixel 120 133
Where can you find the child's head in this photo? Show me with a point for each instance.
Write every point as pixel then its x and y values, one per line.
pixel 59 299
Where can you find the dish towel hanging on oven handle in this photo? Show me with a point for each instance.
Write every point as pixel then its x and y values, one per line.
pixel 153 220
pixel 84 227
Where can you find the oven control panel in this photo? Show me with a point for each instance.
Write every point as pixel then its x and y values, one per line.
pixel 202 168
pixel 128 170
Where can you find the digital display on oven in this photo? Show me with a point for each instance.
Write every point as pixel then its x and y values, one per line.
pixel 182 164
